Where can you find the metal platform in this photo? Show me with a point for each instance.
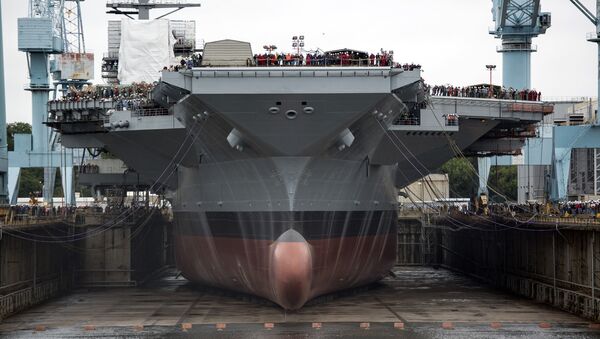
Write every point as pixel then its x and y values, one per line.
pixel 423 300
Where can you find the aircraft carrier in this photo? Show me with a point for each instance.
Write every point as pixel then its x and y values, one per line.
pixel 284 180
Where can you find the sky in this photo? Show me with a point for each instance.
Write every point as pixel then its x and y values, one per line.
pixel 449 38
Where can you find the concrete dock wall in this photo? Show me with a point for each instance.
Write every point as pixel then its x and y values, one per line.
pixel 125 254
pixel 555 267
pixel 417 244
pixel 31 272
pixel 554 264
pixel 105 259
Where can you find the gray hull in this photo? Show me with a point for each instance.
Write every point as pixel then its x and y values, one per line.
pixel 286 229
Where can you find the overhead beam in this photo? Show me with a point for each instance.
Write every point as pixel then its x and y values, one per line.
pixel 536 9
pixel 127 14
pixel 150 5
pixel 588 14
pixel 145 6
pixel 504 13
pixel 171 12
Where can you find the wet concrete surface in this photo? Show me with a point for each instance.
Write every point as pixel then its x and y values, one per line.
pixel 422 300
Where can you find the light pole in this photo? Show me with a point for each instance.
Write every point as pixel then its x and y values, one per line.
pixel 298 42
pixel 269 49
pixel 491 68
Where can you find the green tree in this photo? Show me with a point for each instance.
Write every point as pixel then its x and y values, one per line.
pixel 503 179
pixel 31 182
pixel 16 128
pixel 463 180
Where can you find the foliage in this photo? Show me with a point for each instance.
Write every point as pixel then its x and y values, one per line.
pixel 504 180
pixel 16 128
pixel 463 180
pixel 31 183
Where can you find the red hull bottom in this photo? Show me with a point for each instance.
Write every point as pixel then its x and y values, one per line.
pixel 290 270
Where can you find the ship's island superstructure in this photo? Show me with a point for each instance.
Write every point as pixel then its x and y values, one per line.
pixel 284 180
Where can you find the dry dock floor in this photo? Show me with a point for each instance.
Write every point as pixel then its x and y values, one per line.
pixel 427 303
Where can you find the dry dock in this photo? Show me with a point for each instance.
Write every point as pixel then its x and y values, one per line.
pixel 416 303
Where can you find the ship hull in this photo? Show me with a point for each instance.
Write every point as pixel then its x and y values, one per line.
pixel 287 229
pixel 289 265
pixel 285 202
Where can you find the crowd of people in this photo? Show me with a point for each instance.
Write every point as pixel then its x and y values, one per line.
pixel 590 208
pixel 127 97
pixel 21 212
pixel 342 58
pixel 574 208
pixel 336 58
pixel 504 209
pixel 408 67
pixel 33 212
pixel 483 91
pixel 185 63
pixel 452 119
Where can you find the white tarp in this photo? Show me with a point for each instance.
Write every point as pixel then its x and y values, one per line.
pixel 146 47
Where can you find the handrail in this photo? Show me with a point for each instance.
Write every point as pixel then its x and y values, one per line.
pixel 569 99
pixel 507 105
pixel 408 121
pixel 111 55
pixel 151 112
pixel 527 47
pixel 532 219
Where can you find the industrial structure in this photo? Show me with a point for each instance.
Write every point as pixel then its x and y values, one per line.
pixel 517 23
pixel 53 28
pixel 280 179
pixel 547 170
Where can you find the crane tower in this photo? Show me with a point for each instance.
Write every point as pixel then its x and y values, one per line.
pixel 52 28
pixel 517 22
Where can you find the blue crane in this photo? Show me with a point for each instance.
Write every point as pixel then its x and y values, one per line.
pixel 42 35
pixel 592 37
pixel 517 22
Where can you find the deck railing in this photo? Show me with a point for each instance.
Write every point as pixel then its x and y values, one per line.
pixel 150 112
